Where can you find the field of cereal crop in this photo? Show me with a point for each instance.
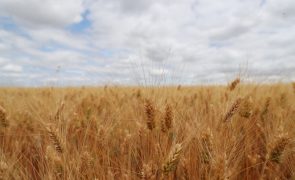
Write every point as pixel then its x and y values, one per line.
pixel 239 131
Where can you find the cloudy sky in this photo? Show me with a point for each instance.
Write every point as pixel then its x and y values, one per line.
pixel 92 42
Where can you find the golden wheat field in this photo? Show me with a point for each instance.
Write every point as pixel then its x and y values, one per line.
pixel 239 131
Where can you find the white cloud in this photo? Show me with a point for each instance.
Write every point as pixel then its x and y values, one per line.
pixel 12 68
pixel 38 13
pixel 159 71
pixel 188 41
pixel 2 61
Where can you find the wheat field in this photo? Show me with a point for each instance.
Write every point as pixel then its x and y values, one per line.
pixel 239 131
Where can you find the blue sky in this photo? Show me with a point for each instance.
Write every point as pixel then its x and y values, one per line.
pixel 83 25
pixel 138 42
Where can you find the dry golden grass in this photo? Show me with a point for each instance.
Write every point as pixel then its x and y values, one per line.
pixel 237 131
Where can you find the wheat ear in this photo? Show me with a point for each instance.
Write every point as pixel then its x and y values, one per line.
pixel 173 159
pixel 59 111
pixel 3 117
pixel 278 149
pixel 55 140
pixel 232 110
pixel 150 114
pixel 234 84
pixel 168 117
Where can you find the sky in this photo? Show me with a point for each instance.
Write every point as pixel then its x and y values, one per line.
pixel 142 42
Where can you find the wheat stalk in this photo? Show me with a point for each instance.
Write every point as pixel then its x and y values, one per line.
pixel 207 147
pixel 54 161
